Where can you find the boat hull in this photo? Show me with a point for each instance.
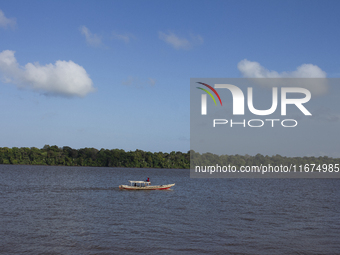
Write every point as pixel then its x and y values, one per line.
pixel 158 187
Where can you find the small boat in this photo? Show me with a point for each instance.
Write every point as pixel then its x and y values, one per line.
pixel 141 185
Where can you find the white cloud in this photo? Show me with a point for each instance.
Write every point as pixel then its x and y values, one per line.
pixel 91 39
pixel 64 78
pixel 123 37
pixel 5 22
pixel 252 69
pixel 180 43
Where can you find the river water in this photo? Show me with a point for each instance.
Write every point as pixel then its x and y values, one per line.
pixel 80 210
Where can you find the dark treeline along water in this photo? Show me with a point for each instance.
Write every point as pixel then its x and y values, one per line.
pixel 54 210
pixel 66 156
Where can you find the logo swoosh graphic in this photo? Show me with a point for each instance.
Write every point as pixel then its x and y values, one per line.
pixel 218 96
pixel 208 93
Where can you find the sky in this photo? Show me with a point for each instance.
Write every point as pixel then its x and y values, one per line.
pixel 116 74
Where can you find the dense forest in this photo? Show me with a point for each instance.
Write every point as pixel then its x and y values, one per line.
pixel 66 156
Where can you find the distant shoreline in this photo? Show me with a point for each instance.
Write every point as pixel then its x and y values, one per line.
pixel 66 156
pixel 113 167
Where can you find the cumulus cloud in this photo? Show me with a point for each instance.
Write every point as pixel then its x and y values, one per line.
pixel 5 22
pixel 123 37
pixel 64 78
pixel 252 69
pixel 91 39
pixel 178 42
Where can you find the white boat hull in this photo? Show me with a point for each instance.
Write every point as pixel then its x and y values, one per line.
pixel 158 187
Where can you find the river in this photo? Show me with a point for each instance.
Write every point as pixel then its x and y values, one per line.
pixel 80 210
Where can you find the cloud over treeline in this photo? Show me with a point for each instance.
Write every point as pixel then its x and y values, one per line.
pixel 64 78
pixel 252 69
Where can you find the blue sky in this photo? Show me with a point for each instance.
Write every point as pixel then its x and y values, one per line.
pixel 116 74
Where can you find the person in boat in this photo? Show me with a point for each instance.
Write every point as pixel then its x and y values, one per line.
pixel 147 179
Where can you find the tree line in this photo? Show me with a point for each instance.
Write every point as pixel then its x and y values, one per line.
pixel 66 156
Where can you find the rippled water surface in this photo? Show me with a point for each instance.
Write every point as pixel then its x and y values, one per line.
pixel 80 210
